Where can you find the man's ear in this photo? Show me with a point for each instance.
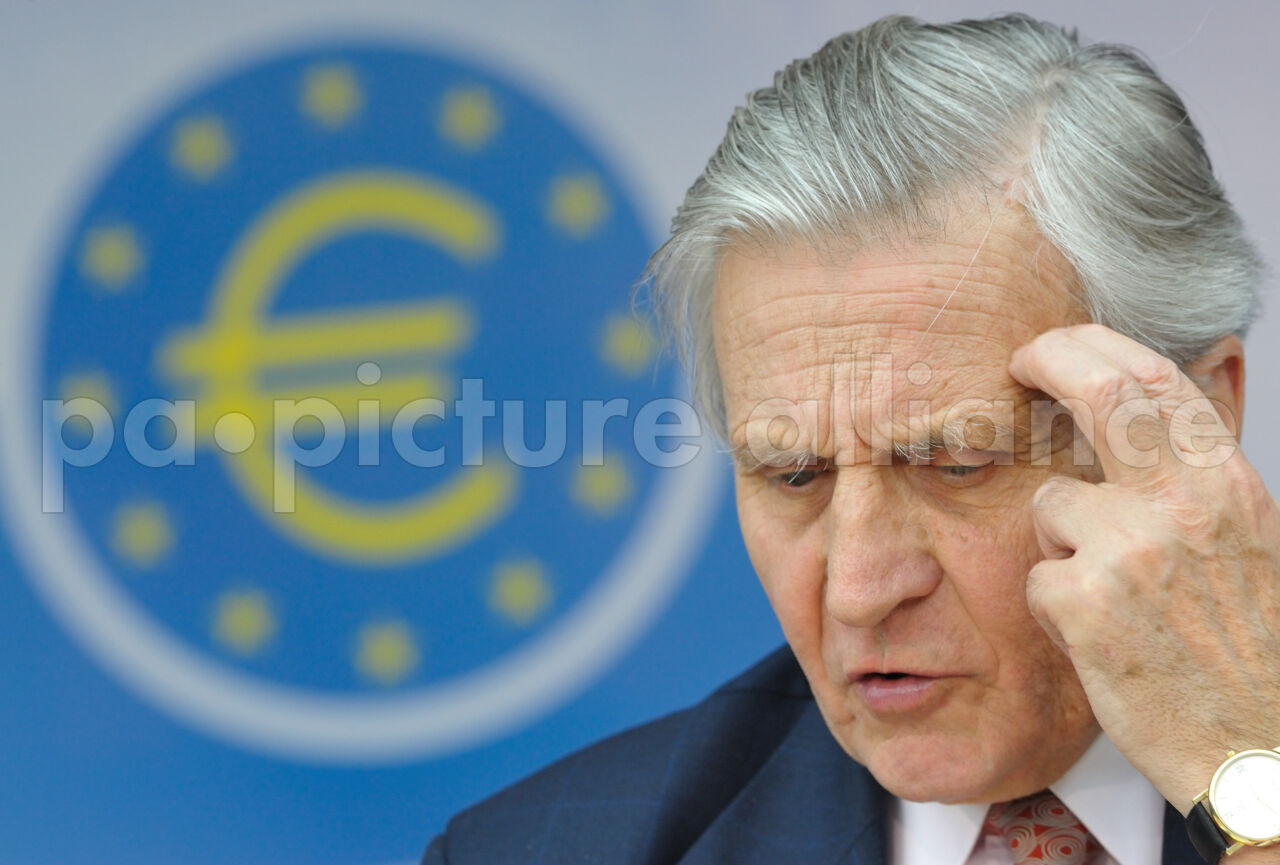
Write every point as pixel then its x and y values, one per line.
pixel 1220 374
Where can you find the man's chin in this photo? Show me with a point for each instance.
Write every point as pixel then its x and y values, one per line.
pixel 922 766
pixel 937 767
pixel 934 780
pixel 958 769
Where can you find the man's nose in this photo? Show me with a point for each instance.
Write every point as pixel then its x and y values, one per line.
pixel 879 548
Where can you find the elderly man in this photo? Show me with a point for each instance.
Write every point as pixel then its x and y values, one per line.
pixel 966 303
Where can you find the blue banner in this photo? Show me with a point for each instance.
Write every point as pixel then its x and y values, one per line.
pixel 345 486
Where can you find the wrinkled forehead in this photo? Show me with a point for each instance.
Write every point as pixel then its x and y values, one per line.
pixel 934 321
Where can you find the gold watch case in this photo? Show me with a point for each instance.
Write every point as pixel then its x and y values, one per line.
pixel 1244 798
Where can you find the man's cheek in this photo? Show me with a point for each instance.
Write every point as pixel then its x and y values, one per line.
pixel 749 493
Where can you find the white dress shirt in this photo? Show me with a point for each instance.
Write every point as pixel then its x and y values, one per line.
pixel 1113 800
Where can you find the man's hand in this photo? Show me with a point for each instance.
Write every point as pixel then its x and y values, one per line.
pixel 1162 583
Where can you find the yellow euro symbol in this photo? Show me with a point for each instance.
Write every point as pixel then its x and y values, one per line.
pixel 240 350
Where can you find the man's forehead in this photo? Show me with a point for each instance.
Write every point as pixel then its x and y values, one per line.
pixel 878 362
pixel 882 425
pixel 935 321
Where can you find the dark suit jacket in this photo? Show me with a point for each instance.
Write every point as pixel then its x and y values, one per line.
pixel 750 775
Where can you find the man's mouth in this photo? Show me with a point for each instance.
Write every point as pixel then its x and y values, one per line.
pixel 895 692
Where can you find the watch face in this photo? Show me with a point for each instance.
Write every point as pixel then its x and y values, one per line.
pixel 1245 795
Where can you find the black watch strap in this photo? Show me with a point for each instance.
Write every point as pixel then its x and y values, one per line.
pixel 1205 835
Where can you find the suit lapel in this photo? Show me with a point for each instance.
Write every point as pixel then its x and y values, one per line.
pixel 809 803
pixel 1177 849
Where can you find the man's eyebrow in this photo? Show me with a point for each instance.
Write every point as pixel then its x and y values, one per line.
pixel 909 442
pixel 753 459
pixel 950 436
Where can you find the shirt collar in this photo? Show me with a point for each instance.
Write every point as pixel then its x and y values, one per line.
pixel 931 833
pixel 1120 807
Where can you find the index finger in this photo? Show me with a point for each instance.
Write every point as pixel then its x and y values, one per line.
pixel 1120 393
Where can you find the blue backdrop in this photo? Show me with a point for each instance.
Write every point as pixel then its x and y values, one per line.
pixel 363 492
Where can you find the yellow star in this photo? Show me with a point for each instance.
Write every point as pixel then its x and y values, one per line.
pixel 468 117
pixel 385 652
pixel 111 255
pixel 578 204
pixel 243 621
pixel 200 147
pixel 95 385
pixel 601 489
pixel 143 533
pixel 331 94
pixel 519 591
pixel 628 345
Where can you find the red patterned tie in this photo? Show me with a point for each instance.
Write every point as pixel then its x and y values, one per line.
pixel 1041 831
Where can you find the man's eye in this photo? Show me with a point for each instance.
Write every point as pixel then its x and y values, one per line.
pixel 799 476
pixel 962 475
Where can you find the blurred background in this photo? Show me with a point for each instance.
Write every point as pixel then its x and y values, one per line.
pixel 306 216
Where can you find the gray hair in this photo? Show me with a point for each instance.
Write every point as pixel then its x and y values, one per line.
pixel 865 138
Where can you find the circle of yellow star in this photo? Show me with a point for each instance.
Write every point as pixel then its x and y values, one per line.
pixel 111 255
pixel 520 591
pixel 243 621
pixel 602 489
pixel 468 117
pixel 331 94
pixel 628 345
pixel 142 533
pixel 93 385
pixel 200 147
pixel 577 204
pixel 385 652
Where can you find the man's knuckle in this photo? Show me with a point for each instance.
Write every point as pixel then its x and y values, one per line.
pixel 1156 370
pixel 1038 584
pixel 1109 388
pixel 1141 555
pixel 1053 494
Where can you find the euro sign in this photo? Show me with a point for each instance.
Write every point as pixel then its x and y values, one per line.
pixel 227 362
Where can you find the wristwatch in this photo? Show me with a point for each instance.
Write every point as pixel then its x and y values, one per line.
pixel 1241 808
